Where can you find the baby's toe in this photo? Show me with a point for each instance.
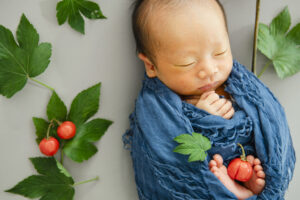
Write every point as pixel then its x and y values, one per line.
pixel 261 174
pixel 218 158
pixel 260 182
pixel 250 159
pixel 214 169
pixel 212 163
pixel 258 168
pixel 256 161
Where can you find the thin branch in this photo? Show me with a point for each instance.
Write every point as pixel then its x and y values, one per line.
pixel 255 37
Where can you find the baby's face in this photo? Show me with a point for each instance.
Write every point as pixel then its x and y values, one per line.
pixel 194 54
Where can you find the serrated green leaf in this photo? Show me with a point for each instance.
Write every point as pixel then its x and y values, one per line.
pixel 197 155
pixel 184 149
pixel 195 145
pixel 81 148
pixel 281 23
pixel 202 141
pixel 85 105
pixel 72 9
pixel 76 22
pixel 50 185
pixel 27 36
pixel 49 166
pixel 39 59
pixel 62 169
pixel 266 43
pixel 294 34
pixel 62 12
pixel 41 127
pixel 56 108
pixel 280 47
pixel 184 138
pixel 91 10
pixel 18 63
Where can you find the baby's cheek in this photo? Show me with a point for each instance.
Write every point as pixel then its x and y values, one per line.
pixel 185 86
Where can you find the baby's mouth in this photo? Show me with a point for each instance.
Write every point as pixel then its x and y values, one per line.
pixel 209 86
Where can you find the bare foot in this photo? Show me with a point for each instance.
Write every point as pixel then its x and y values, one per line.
pixel 257 182
pixel 216 166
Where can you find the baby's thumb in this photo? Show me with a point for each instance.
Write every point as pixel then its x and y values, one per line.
pixel 206 94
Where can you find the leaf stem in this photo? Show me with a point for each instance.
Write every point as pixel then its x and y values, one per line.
pixel 265 68
pixel 57 121
pixel 243 157
pixel 48 130
pixel 90 180
pixel 255 37
pixel 39 82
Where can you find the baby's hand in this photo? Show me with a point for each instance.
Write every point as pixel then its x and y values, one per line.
pixel 213 104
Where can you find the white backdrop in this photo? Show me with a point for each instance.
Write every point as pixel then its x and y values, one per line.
pixel 106 54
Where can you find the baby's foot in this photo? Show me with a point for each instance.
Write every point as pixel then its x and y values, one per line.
pixel 257 182
pixel 220 171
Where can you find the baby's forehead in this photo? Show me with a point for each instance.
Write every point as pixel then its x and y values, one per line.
pixel 162 12
pixel 158 10
pixel 155 16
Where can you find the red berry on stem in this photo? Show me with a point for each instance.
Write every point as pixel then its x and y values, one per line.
pixel 49 146
pixel 239 168
pixel 66 130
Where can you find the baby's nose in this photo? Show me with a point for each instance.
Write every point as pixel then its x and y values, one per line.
pixel 208 71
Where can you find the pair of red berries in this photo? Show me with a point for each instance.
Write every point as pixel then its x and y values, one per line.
pixel 49 146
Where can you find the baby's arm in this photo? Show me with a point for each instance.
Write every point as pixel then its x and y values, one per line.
pixel 213 104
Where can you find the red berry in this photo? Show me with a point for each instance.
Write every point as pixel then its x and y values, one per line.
pixel 66 130
pixel 49 146
pixel 240 170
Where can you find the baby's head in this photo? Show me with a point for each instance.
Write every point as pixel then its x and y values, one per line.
pixel 184 43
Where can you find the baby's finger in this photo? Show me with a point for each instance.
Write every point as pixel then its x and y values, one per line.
pixel 212 98
pixel 218 104
pixel 225 108
pixel 229 114
pixel 206 94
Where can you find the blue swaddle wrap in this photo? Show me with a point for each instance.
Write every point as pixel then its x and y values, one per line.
pixel 259 124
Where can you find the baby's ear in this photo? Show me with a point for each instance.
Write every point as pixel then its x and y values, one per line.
pixel 149 66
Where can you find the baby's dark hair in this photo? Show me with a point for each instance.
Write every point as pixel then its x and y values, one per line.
pixel 141 10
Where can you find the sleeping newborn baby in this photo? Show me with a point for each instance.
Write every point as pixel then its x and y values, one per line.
pixel 191 55
pixel 185 48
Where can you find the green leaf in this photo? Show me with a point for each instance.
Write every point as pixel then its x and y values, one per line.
pixel 294 34
pixel 41 127
pixel 91 10
pixel 56 108
pixel 72 9
pixel 51 184
pixel 81 147
pixel 197 155
pixel 196 145
pixel 281 23
pixel 62 169
pixel 19 62
pixel 280 47
pixel 85 105
pixel 76 22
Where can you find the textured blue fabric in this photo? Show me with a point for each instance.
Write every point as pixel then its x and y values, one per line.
pixel 259 124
